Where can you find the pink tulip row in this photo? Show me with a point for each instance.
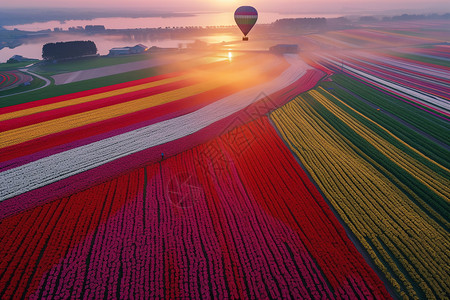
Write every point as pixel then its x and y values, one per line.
pixel 420 84
pixel 247 223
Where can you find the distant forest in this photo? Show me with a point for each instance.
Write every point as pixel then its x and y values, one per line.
pixel 406 17
pixel 65 50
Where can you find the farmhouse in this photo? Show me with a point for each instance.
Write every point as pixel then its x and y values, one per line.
pixel 19 58
pixel 119 51
pixel 139 48
pixel 128 50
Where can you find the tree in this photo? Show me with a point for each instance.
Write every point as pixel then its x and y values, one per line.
pixel 64 50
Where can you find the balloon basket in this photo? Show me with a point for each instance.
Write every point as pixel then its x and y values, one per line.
pixel 245 38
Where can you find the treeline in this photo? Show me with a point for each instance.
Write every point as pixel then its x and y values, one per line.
pixel 64 50
pixel 94 28
pixel 22 15
pixel 406 17
pixel 300 23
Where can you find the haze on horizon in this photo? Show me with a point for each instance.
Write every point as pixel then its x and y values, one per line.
pixel 282 6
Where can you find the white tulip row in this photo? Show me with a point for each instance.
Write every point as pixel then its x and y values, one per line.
pixel 429 99
pixel 60 166
pixel 377 61
pixel 428 70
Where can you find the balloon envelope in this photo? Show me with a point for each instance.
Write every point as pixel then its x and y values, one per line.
pixel 246 17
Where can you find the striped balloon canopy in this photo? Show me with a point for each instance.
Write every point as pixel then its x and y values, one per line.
pixel 246 17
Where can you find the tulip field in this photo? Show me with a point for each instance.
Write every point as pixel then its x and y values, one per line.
pixel 85 133
pixel 386 35
pixel 138 236
pixel 318 175
pixel 10 79
pixel 421 84
pixel 438 54
pixel 391 196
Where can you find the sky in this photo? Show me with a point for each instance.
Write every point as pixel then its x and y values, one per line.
pixel 295 6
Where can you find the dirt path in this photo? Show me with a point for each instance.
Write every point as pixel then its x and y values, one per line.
pixel 118 69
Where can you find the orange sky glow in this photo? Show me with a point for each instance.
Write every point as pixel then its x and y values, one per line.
pixel 224 5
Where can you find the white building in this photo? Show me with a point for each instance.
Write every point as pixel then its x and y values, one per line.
pixel 128 50
pixel 139 48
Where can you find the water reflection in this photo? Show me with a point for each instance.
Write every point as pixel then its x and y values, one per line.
pixel 203 19
pixel 230 36
pixel 33 48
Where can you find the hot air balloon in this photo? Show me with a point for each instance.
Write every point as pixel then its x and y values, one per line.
pixel 245 17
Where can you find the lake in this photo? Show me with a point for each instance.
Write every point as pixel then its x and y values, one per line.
pixel 33 47
pixel 198 19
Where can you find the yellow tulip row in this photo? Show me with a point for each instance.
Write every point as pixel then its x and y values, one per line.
pixel 393 178
pixel 30 132
pixel 33 131
pixel 203 73
pixel 432 180
pixel 405 243
pixel 85 99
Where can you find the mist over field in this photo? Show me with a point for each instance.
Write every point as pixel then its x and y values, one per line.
pixel 86 9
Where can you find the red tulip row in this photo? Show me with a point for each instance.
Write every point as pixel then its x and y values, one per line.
pixel 31 114
pixel 39 149
pixel 432 82
pixel 235 217
pixel 404 242
pixel 121 88
pixel 437 53
pixel 300 206
pixel 9 79
pixel 36 239
pixel 422 85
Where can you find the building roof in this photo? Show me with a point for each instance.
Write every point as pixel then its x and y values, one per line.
pixel 140 46
pixel 120 49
